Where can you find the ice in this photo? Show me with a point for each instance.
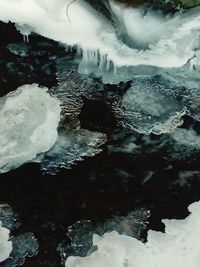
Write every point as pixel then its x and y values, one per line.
pixel 172 42
pixel 81 233
pixel 5 244
pixel 146 110
pixel 23 245
pixel 74 87
pixel 29 118
pixel 157 104
pixel 72 146
pixel 14 252
pixel 177 247
pixel 188 138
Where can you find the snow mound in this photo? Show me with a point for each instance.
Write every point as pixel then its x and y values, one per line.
pixel 29 119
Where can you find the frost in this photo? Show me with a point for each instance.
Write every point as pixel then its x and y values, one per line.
pixel 178 246
pixel 29 119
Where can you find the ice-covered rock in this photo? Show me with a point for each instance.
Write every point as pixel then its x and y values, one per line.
pixel 178 247
pixel 29 118
pixel 5 244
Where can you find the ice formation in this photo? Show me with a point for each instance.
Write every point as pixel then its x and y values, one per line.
pixel 170 41
pixel 14 251
pixel 5 244
pixel 81 233
pixel 71 147
pixel 178 246
pixel 145 108
pixel 29 119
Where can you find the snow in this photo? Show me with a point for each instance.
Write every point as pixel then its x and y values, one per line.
pixel 170 43
pixel 29 119
pixel 179 246
pixel 5 245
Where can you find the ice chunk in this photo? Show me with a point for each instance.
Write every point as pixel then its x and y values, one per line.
pixel 18 247
pixel 29 119
pixel 151 106
pixel 8 217
pixel 19 49
pixel 187 137
pixel 180 145
pixel 81 232
pixel 178 246
pixel 5 244
pixel 23 245
pixel 71 147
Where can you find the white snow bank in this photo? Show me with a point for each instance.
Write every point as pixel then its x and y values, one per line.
pixel 28 125
pixel 179 246
pixel 169 41
pixel 5 245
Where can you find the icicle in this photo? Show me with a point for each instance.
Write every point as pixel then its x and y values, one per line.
pixel 79 50
pixel 108 65
pixel 26 38
pixel 115 69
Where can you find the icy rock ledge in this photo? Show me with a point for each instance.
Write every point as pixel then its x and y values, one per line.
pixel 179 246
pixel 29 118
pixel 5 244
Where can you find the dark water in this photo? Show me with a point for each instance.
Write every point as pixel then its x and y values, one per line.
pixel 114 182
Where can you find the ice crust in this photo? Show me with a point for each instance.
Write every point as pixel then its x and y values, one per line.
pixel 169 41
pixel 29 118
pixel 178 247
